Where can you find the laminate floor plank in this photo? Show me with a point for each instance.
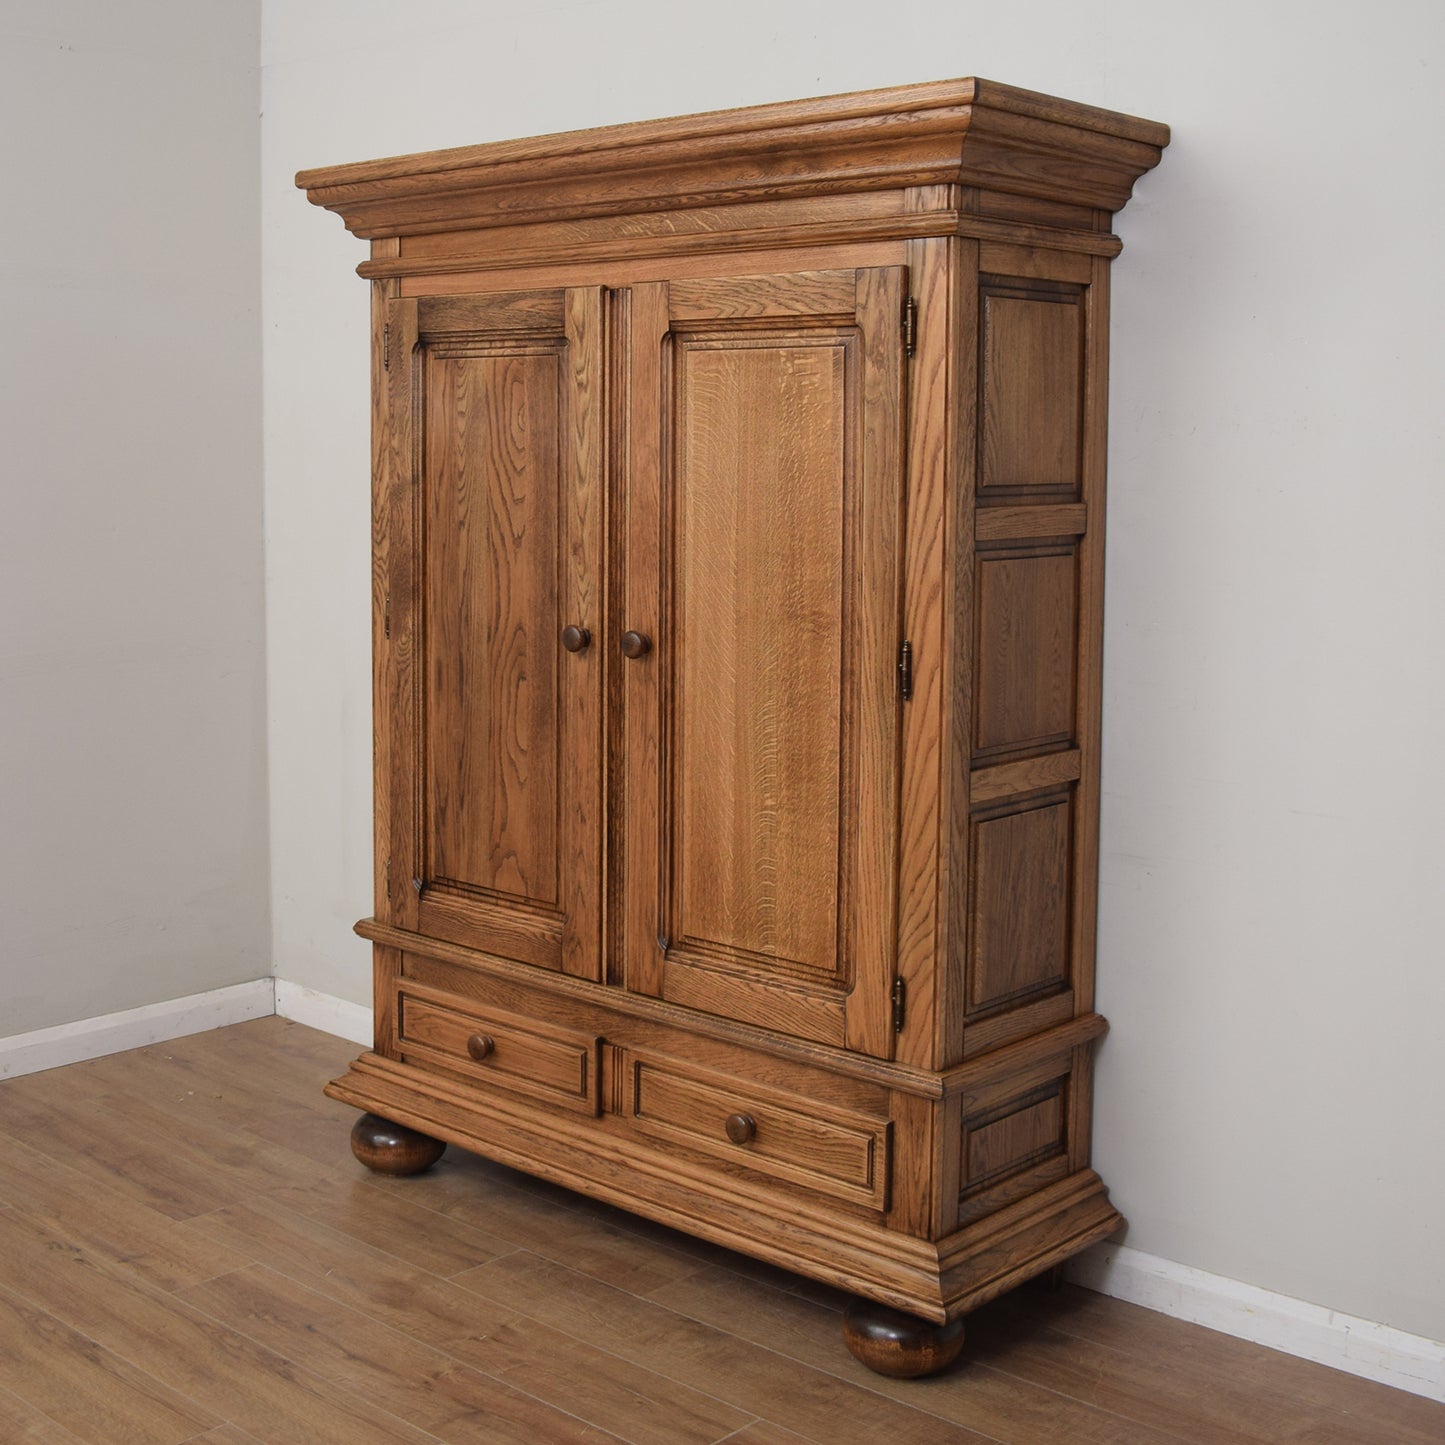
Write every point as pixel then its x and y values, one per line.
pixel 376 1363
pixel 212 1367
pixel 1239 1364
pixel 996 1403
pixel 335 1264
pixel 647 1407
pixel 70 1123
pixel 763 1433
pixel 180 1165
pixel 84 1387
pixel 1188 1392
pixel 22 1423
pixel 543 1220
pixel 95 1212
pixel 188 1252
pixel 389 1220
pixel 748 1376
pixel 217 1094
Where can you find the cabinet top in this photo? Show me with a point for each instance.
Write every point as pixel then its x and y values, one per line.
pixel 973 133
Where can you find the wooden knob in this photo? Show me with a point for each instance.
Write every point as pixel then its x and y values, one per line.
pixel 740 1128
pixel 576 639
pixel 481 1046
pixel 635 644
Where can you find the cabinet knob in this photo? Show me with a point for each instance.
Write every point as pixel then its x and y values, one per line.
pixel 740 1128
pixel 576 639
pixel 481 1046
pixel 636 644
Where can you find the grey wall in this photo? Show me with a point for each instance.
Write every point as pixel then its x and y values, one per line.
pixel 133 856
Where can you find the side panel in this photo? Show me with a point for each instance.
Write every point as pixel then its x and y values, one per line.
pixel 1027 957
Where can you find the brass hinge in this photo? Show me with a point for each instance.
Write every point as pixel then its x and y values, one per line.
pixel 386 617
pixel 905 670
pixel 900 992
pixel 910 326
pixel 386 347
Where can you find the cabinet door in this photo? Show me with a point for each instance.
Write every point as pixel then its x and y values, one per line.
pixel 489 775
pixel 763 534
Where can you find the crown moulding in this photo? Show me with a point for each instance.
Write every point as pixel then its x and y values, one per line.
pixel 973 133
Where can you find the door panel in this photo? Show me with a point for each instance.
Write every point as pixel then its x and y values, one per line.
pixel 491 480
pixel 502 401
pixel 761 737
pixel 758 669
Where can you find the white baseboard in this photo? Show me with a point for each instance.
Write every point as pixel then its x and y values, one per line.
pixel 1344 1342
pixel 323 1011
pixel 133 1028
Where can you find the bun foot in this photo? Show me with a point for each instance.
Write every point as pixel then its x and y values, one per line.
pixel 393 1148
pixel 890 1342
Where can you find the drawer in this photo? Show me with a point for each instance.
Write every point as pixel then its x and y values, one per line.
pixel 498 1050
pixel 787 1136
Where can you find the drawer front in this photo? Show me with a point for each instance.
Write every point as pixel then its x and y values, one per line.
pixel 833 1151
pixel 497 1049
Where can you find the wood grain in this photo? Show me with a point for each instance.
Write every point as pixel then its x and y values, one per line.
pixel 1025 660
pixel 761 487
pixel 493 484
pixel 83 1386
pixel 396 1373
pixel 644 610
pixel 875 605
pixel 963 131
pixel 792 1137
pixel 1031 379
pixel 1020 867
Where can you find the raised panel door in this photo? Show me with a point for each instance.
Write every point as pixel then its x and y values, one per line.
pixel 498 424
pixel 763 533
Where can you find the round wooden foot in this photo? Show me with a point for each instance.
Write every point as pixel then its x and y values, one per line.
pixel 393 1148
pixel 890 1342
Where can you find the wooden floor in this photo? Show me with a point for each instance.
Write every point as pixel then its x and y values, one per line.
pixel 211 1264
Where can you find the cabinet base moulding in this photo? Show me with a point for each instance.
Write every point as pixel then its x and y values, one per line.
pixel 935 1281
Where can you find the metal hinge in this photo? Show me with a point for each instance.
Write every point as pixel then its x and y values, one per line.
pixel 663 943
pixel 900 993
pixel 910 326
pixel 386 617
pixel 905 670
pixel 386 347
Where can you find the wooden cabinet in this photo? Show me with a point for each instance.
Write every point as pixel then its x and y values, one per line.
pixel 738 515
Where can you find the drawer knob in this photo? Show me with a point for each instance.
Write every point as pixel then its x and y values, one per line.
pixel 636 644
pixel 740 1128
pixel 576 639
pixel 481 1046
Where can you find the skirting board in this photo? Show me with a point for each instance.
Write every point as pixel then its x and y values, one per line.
pixel 323 1011
pixel 1311 1332
pixel 154 1023
pixel 133 1028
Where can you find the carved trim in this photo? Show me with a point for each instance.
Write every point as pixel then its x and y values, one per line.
pixel 968 132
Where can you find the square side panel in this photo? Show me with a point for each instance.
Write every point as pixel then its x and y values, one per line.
pixel 1020 915
pixel 1030 389
pixel 1027 616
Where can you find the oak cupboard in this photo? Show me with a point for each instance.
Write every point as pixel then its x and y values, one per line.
pixel 738 498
